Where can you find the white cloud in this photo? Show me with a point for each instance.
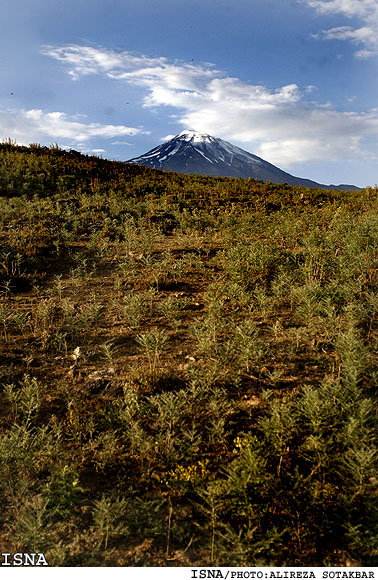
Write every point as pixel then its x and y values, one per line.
pixel 138 69
pixel 365 11
pixel 279 125
pixel 35 125
pixel 122 143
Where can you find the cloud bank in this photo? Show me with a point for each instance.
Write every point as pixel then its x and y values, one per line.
pixel 35 125
pixel 279 124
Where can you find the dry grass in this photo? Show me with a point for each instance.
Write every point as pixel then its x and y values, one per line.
pixel 192 389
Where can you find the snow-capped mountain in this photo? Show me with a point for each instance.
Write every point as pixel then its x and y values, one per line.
pixel 192 152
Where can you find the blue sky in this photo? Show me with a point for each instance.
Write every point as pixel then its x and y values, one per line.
pixel 293 81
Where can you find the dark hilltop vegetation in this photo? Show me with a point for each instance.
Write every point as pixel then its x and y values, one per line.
pixel 188 367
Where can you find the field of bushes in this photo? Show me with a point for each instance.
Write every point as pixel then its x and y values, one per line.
pixel 188 367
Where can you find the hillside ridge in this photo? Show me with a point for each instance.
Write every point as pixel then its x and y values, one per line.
pixel 188 367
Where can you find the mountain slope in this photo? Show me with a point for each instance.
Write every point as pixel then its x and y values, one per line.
pixel 199 153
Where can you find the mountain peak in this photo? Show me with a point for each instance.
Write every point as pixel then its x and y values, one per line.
pixel 200 153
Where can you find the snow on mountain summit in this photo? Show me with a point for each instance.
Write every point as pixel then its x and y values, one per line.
pixel 190 135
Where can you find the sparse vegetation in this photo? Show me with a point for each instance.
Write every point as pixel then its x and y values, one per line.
pixel 189 372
